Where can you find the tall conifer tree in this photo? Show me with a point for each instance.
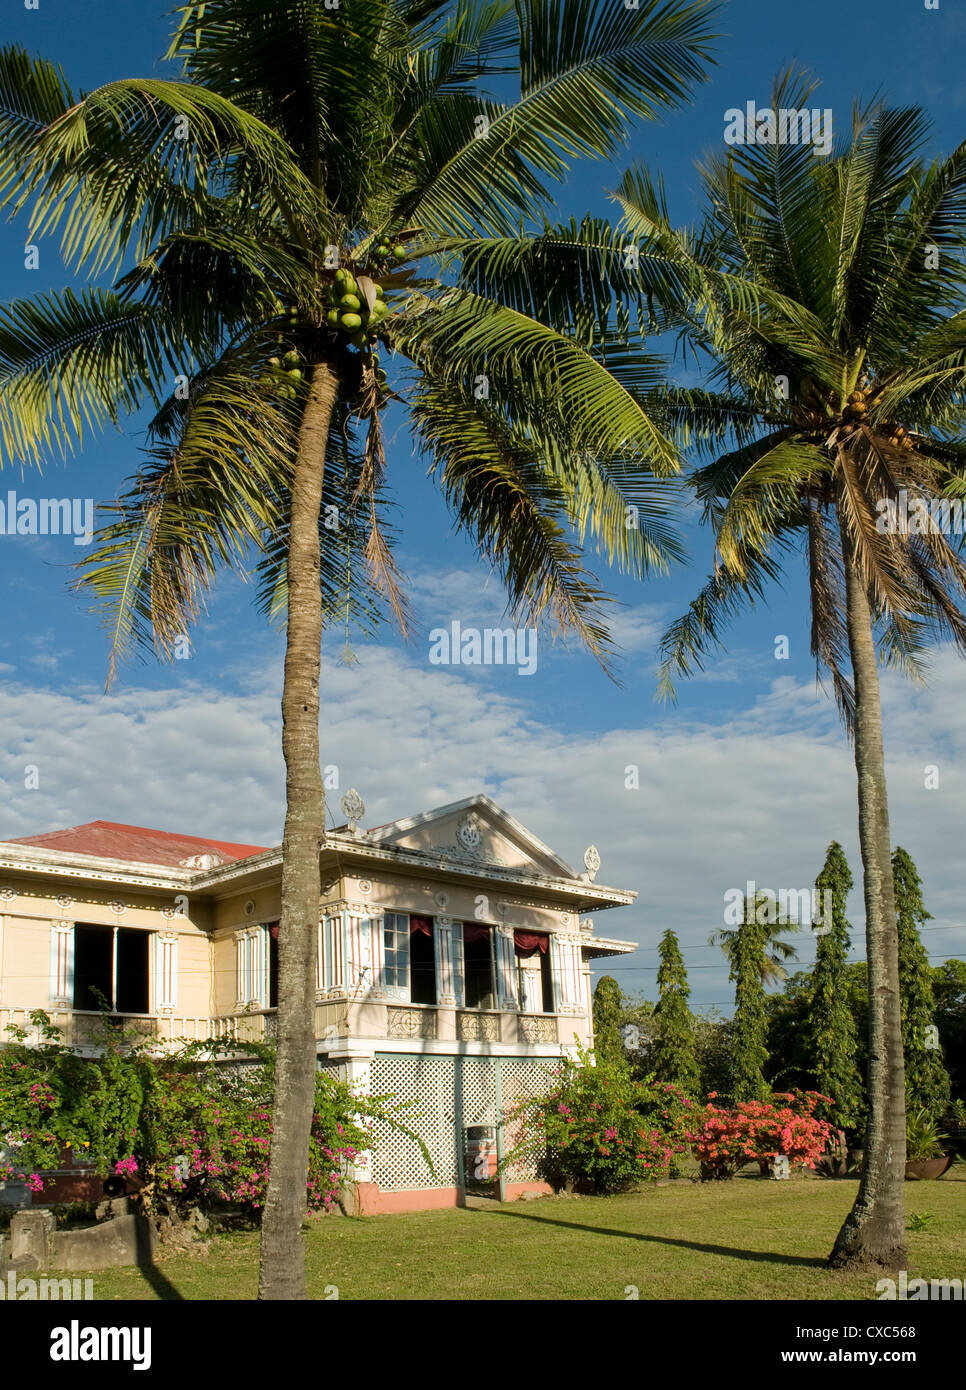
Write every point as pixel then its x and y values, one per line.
pixel 927 1081
pixel 832 1040
pixel 673 1058
pixel 608 1013
pixel 749 1054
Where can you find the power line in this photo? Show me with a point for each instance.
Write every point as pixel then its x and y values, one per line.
pixel 938 955
pixel 858 935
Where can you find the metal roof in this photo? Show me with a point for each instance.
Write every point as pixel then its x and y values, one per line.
pixel 136 844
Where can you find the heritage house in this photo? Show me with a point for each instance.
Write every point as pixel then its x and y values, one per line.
pixel 453 964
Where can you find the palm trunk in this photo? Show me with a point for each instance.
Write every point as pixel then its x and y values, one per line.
pixel 282 1268
pixel 874 1230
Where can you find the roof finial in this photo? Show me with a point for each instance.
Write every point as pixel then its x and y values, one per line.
pixel 591 862
pixel 353 808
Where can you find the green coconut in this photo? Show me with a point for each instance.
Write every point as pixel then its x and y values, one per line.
pixel 350 322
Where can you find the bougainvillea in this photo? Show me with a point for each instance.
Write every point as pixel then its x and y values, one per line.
pixel 725 1139
pixel 183 1130
pixel 601 1129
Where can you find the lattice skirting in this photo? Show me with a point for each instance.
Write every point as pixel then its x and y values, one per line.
pixel 448 1095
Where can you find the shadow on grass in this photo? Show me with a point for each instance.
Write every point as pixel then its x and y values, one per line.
pixel 159 1282
pixel 757 1256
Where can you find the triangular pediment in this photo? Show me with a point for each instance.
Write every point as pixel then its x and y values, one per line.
pixel 475 832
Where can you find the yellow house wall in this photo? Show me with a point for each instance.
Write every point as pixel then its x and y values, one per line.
pixel 228 916
pixel 26 932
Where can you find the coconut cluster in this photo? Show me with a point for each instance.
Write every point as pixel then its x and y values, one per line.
pixel 855 407
pixel 349 311
pixel 287 373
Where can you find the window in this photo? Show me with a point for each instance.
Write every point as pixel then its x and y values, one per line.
pixel 422 961
pixel 534 972
pixel 395 936
pixel 111 967
pixel 546 982
pixel 478 990
pixel 409 957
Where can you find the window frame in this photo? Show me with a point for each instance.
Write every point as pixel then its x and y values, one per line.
pixel 114 930
pixel 493 993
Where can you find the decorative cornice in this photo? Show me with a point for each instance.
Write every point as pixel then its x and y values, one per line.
pixel 60 864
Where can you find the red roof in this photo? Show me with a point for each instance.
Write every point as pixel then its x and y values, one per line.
pixel 109 840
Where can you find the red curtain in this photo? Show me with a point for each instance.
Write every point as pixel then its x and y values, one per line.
pixel 273 930
pixel 526 943
pixel 420 924
pixel 474 931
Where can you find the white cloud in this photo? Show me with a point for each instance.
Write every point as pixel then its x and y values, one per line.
pixel 759 796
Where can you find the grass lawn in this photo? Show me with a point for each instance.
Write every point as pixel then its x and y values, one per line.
pixel 748 1238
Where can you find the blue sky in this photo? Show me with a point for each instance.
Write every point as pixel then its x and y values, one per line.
pixel 748 777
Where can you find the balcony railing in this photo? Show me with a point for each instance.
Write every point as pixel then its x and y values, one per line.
pixel 83 1028
pixel 477 1027
pixel 333 1021
pixel 404 1021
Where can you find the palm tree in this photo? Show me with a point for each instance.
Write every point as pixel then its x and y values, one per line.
pixel 763 911
pixel 322 182
pixel 828 296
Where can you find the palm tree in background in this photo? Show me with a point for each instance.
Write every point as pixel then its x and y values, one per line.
pixel 764 911
pixel 828 297
pixel 319 185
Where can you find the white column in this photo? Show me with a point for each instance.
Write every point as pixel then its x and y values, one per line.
pixel 358 936
pixel 62 963
pixel 165 971
pixel 247 962
pixel 567 973
pixel 335 953
pixel 114 971
pixel 448 973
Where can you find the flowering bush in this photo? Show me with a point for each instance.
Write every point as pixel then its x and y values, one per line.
pixel 190 1130
pixel 205 1134
pixel 601 1129
pixel 724 1140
